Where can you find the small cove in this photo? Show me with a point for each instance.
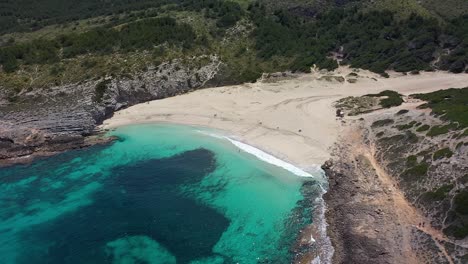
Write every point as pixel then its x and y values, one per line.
pixel 159 194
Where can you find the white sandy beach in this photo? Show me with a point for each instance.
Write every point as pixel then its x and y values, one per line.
pixel 293 119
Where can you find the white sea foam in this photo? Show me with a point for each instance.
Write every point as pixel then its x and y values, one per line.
pixel 269 158
pixel 260 154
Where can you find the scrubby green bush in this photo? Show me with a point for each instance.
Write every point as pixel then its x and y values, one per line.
pixel 423 128
pixel 442 153
pixel 383 122
pixel 402 111
pixel 461 202
pixel 416 172
pixel 439 130
pixel 457 230
pixel 438 194
pixel 411 161
pixel 406 126
pixel 393 98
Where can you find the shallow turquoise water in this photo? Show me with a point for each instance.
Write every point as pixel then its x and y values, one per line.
pixel 160 194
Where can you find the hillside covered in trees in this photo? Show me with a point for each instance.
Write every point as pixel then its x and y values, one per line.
pixel 92 39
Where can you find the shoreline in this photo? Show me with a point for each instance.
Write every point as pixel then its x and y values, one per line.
pixel 293 120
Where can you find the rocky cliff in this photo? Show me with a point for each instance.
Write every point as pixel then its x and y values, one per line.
pixel 62 117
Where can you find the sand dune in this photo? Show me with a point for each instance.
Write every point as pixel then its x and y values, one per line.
pixel 292 119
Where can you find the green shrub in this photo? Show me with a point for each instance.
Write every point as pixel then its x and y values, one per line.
pixel 385 75
pixel 402 111
pixel 442 153
pixel 416 172
pixel 439 130
pixel 411 137
pixel 411 161
pixel 438 194
pixel 406 126
pixel 460 232
pixel 461 202
pixel 10 63
pixel 423 128
pixel 393 98
pixel 393 139
pixel 391 101
pixel 383 122
pixel 450 104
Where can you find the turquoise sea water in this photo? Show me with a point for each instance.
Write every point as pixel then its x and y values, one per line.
pixel 159 194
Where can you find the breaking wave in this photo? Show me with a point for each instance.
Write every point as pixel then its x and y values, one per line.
pixel 262 155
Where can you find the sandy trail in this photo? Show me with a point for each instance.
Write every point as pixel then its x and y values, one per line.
pixel 408 216
pixel 368 212
pixel 293 119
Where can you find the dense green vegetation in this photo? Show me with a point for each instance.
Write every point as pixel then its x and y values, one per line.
pixel 373 40
pixel 450 105
pixel 271 37
pixel 439 130
pixel 142 34
pixel 29 15
pixel 391 99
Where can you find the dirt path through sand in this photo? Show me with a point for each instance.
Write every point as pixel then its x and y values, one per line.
pixel 408 216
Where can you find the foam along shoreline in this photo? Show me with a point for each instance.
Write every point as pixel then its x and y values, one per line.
pixel 262 155
pixel 269 158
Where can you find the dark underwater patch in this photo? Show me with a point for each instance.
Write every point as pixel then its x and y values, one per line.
pixel 142 199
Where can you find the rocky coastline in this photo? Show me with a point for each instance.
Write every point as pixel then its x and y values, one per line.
pixel 45 121
pixel 373 214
